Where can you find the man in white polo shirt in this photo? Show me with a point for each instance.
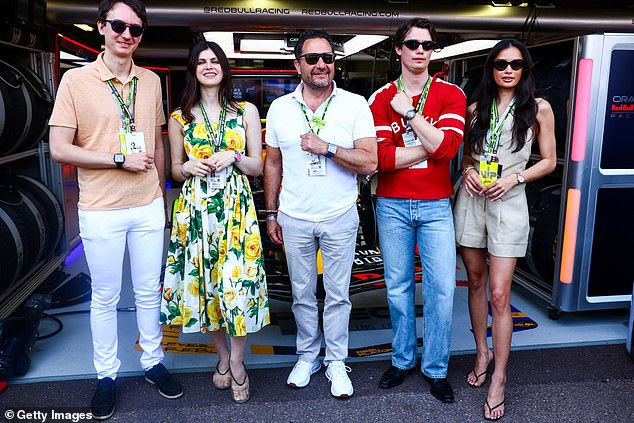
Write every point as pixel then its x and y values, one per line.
pixel 318 138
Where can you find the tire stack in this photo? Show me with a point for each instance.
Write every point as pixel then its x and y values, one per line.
pixel 31 226
pixel 31 219
pixel 25 106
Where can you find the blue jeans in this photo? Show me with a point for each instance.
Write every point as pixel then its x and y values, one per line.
pixel 402 225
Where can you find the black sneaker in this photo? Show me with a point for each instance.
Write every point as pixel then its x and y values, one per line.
pixel 102 406
pixel 167 386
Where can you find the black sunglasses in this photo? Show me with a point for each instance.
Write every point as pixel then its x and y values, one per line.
pixel 516 64
pixel 427 45
pixel 120 26
pixel 313 58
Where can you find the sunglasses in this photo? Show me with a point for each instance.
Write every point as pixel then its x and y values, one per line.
pixel 313 58
pixel 503 64
pixel 413 45
pixel 120 26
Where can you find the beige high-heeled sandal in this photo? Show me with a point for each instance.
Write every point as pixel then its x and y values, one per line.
pixel 220 380
pixel 240 391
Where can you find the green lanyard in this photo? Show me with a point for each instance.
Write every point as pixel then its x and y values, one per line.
pixel 127 116
pixel 216 136
pixel 495 128
pixel 423 95
pixel 318 122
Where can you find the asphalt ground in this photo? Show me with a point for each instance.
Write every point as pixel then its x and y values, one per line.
pixel 574 384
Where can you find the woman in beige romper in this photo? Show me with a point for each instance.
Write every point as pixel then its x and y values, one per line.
pixel 491 216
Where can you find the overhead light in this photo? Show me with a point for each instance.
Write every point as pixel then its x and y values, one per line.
pixel 84 27
pixel 262 46
pixel 508 3
pixel 67 56
pixel 465 47
pixel 361 42
pixel 275 46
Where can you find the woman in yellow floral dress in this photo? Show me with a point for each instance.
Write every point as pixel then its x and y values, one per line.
pixel 214 276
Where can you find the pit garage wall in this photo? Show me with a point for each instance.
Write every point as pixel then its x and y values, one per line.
pixel 594 260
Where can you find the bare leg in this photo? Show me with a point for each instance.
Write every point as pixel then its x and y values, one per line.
pixel 240 379
pixel 500 291
pixel 237 357
pixel 220 341
pixel 477 274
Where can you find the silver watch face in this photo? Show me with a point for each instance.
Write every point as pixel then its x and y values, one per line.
pixel 119 158
pixel 410 114
pixel 332 148
pixel 520 178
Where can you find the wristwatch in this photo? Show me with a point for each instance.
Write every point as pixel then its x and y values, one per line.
pixel 119 160
pixel 238 156
pixel 520 178
pixel 410 114
pixel 332 150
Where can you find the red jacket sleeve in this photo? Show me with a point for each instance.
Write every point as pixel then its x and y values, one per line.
pixel 386 147
pixel 451 121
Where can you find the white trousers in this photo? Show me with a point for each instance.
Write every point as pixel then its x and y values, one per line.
pixel 337 239
pixel 104 235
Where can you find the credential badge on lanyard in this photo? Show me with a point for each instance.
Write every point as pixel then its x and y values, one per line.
pixel 315 164
pixel 217 179
pixel 130 140
pixel 409 136
pixel 490 168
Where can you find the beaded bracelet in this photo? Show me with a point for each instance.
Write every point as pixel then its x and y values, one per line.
pixel 269 218
pixel 180 169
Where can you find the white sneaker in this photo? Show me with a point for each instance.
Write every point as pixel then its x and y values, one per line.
pixel 300 375
pixel 340 385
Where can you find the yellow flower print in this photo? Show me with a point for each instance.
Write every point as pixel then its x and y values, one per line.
pixel 214 273
pixel 181 205
pixel 193 288
pixel 179 118
pixel 229 297
pixel 267 319
pixel 235 236
pixel 186 315
pixel 201 151
pixel 252 247
pixel 213 311
pixel 182 233
pixel 251 213
pixel 251 271
pixel 200 132
pixel 236 272
pixel 188 148
pixel 234 140
pixel 167 294
pixel 195 261
pixel 236 208
pixel 251 303
pixel 222 251
pixel 240 325
pixel 170 260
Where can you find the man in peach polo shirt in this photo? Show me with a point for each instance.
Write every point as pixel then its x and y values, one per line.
pixel 107 121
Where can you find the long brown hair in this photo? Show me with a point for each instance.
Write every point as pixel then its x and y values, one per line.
pixel 191 93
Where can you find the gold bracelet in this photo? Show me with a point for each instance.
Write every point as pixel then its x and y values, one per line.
pixel 467 169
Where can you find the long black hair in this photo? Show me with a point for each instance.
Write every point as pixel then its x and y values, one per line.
pixel 191 93
pixel 525 113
